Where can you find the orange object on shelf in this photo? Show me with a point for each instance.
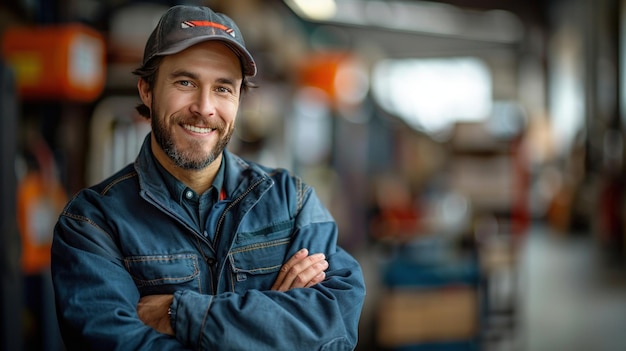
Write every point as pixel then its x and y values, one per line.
pixel 339 74
pixel 40 200
pixel 39 204
pixel 65 62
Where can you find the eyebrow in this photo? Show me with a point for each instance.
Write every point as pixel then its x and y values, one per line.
pixel 183 73
pixel 188 74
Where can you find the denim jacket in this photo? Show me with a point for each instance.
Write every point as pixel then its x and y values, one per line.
pixel 126 238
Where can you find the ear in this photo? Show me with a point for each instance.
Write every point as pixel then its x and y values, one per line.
pixel 145 93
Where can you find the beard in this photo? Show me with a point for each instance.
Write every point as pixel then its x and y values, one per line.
pixel 193 158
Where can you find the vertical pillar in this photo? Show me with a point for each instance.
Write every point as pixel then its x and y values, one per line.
pixel 10 274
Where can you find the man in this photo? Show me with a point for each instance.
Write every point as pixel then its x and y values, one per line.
pixel 192 247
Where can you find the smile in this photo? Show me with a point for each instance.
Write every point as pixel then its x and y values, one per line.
pixel 197 129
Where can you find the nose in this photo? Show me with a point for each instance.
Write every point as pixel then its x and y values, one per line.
pixel 203 104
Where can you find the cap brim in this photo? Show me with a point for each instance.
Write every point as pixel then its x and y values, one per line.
pixel 247 61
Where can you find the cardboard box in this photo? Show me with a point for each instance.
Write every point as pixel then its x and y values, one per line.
pixel 489 182
pixel 413 316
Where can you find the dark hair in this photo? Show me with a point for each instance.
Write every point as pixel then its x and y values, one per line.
pixel 148 72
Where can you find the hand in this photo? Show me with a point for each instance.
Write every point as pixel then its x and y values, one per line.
pixel 301 271
pixel 152 310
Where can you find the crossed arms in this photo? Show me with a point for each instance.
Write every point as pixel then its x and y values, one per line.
pixel 300 271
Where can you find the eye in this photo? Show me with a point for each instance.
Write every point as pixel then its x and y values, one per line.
pixel 223 90
pixel 184 83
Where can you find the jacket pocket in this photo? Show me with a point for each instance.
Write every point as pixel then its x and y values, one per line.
pixel 159 274
pixel 255 264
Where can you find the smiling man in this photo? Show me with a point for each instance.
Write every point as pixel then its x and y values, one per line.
pixel 192 247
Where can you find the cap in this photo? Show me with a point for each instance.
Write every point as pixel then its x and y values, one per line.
pixel 183 26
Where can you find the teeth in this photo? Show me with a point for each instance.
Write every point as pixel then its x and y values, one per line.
pixel 197 129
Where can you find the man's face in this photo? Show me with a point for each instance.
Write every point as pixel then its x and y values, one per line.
pixel 194 104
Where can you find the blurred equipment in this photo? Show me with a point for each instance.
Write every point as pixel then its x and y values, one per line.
pixel 65 62
pixel 116 134
pixel 431 299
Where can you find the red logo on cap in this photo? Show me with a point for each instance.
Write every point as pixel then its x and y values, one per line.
pixel 189 24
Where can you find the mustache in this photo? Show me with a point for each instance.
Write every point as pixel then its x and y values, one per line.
pixel 213 123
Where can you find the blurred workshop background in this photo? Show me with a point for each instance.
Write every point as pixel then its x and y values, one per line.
pixel 471 151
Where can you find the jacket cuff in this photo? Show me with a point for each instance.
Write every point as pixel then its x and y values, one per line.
pixel 172 312
pixel 188 316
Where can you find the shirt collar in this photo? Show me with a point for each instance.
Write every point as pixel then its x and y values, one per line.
pixel 178 189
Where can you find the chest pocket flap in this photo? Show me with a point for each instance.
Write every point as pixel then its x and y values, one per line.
pixel 157 270
pixel 262 251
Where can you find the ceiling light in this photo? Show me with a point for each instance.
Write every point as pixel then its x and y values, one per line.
pixel 314 10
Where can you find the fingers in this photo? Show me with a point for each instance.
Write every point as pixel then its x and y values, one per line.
pixel 301 270
pixel 287 266
pixel 317 279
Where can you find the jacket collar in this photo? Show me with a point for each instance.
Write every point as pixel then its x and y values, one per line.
pixel 239 176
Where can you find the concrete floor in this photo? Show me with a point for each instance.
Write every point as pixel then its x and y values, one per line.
pixel 574 298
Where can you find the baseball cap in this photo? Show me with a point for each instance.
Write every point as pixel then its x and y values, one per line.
pixel 183 26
